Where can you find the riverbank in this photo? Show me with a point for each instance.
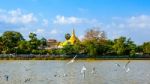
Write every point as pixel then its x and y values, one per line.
pixel 61 58
pixel 69 57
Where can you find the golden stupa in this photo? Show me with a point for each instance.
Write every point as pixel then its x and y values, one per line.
pixel 73 39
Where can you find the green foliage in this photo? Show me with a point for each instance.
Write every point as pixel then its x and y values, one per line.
pixel 90 48
pixel 1 45
pixel 146 47
pixel 68 50
pixel 43 43
pixel 93 44
pixel 130 47
pixel 79 48
pixel 32 36
pixel 119 45
pixel 10 41
pixel 139 49
pixel 23 47
pixel 54 51
pixel 123 46
pixel 93 48
pixel 13 42
pixel 132 53
pixel 34 42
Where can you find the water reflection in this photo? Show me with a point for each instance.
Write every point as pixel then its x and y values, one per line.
pixel 83 71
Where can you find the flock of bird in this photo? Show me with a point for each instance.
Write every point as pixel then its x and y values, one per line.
pixel 83 69
pixel 126 68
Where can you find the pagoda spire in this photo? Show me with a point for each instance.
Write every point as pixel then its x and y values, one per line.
pixel 73 32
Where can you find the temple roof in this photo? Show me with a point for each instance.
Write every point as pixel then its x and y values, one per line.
pixel 73 39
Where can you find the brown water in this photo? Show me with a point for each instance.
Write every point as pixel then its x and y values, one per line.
pixel 59 72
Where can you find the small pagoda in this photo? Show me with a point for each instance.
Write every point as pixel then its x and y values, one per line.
pixel 71 41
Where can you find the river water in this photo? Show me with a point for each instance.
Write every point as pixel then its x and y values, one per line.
pixel 78 72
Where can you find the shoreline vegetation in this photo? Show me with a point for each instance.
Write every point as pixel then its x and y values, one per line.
pixel 65 57
pixel 93 46
pixel 76 59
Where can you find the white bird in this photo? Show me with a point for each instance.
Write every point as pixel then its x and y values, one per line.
pixel 127 63
pixel 83 71
pixel 127 69
pixel 72 60
pixel 64 75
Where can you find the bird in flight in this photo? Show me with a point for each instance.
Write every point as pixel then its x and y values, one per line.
pixel 72 60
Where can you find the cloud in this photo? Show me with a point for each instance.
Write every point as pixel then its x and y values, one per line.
pixel 21 21
pixel 140 21
pixel 67 20
pixel 17 17
pixel 127 26
pixel 72 20
pixel 45 22
pixel 135 27
pixel 54 31
pixel 40 31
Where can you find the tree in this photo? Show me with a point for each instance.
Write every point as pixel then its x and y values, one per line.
pixel 34 42
pixel 23 47
pixel 43 43
pixel 94 34
pixel 79 48
pixel 10 41
pixel 90 48
pixel 146 48
pixel 130 47
pixel 119 45
pixel 94 41
pixel 139 49
pixel 67 36
pixel 68 50
pixel 1 44
pixel 124 46
pixel 32 36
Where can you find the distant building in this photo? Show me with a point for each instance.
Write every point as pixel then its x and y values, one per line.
pixel 52 44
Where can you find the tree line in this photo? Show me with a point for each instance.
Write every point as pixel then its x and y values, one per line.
pixel 93 44
pixel 12 42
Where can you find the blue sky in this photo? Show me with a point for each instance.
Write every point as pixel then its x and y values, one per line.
pixel 54 18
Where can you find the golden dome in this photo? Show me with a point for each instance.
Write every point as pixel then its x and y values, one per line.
pixel 73 39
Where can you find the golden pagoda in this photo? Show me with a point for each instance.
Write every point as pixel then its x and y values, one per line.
pixel 73 39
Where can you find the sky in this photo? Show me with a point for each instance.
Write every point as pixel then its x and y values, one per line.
pixel 53 18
